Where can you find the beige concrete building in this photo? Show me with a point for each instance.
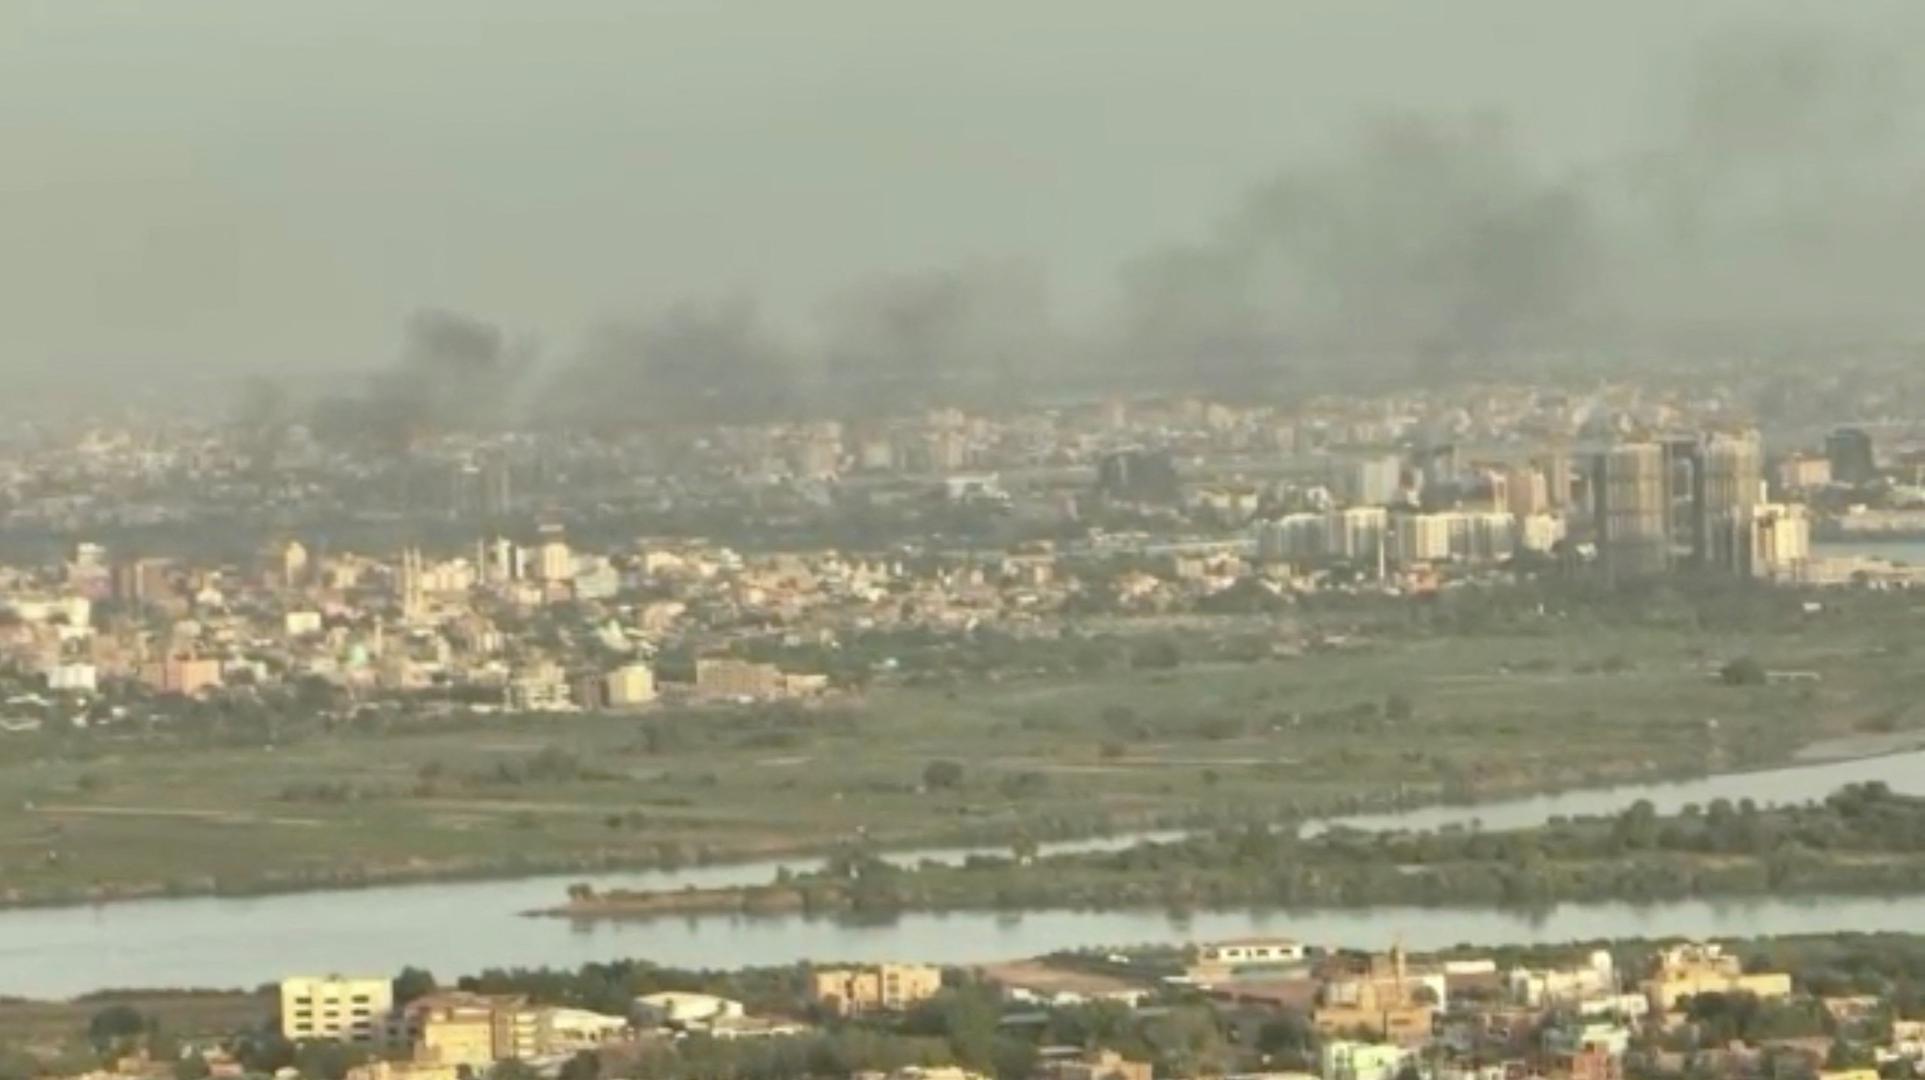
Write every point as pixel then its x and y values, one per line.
pixel 336 1008
pixel 1388 1000
pixel 1780 542
pixel 1689 970
pixel 1803 472
pixel 629 687
pixel 473 1030
pixel 725 677
pixel 878 988
pixel 183 675
pixel 478 1030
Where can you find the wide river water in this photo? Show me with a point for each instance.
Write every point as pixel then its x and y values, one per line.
pixel 460 927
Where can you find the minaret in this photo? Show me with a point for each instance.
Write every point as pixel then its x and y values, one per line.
pixel 413 605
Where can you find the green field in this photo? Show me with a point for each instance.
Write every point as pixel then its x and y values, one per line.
pixel 1389 717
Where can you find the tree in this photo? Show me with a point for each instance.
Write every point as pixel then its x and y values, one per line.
pixel 115 1026
pixel 1744 671
pixel 1157 653
pixel 942 774
pixel 413 983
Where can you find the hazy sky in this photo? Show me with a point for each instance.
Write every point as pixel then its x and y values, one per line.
pixel 249 183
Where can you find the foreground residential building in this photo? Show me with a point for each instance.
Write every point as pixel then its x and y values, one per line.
pixel 350 1010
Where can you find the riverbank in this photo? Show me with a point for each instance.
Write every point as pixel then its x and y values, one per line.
pixel 757 864
pixel 1860 840
pixel 1402 716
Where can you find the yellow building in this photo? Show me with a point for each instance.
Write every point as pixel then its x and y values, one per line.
pixel 331 1007
pixel 881 987
pixel 1387 1001
pixel 475 1030
pixel 478 1030
pixel 629 687
pixel 1689 970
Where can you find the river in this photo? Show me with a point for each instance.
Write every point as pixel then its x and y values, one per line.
pixel 459 927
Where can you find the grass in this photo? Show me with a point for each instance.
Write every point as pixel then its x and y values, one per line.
pixel 184 1015
pixel 1488 715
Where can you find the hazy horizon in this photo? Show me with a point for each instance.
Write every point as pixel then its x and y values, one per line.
pixel 233 187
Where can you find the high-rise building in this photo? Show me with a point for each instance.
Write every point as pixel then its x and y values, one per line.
pixel 1728 490
pixel 1632 489
pixel 1481 537
pixel 1526 491
pixel 554 562
pixel 1356 534
pixel 1139 476
pixel 1780 542
pixel 1555 467
pixel 411 590
pixel 497 488
pixel 1421 538
pixel 1370 481
pixel 1539 532
pixel 1852 459
pixel 141 581
pixel 1290 538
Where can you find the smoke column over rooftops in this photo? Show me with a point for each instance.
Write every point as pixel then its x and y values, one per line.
pixel 454 372
pixel 1774 201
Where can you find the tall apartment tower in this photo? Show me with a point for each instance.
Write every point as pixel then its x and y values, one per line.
pixel 1633 509
pixel 1556 467
pixel 1729 489
pixel 1852 458
pixel 414 603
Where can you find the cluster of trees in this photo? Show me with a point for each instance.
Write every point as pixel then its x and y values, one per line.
pixel 1863 838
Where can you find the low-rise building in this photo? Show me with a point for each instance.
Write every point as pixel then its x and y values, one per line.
pixel 1387 1000
pixel 852 991
pixel 1689 970
pixel 1343 1059
pixel 1098 1065
pixel 1220 960
pixel 677 1008
pixel 186 676
pixel 727 677
pixel 629 687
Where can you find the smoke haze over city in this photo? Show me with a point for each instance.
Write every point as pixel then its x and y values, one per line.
pixel 753 216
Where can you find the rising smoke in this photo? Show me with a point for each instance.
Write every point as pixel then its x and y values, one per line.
pixel 454 373
pixel 712 361
pixel 1774 204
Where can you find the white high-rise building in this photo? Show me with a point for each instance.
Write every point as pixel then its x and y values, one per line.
pixel 1421 538
pixel 1371 481
pixel 1356 533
